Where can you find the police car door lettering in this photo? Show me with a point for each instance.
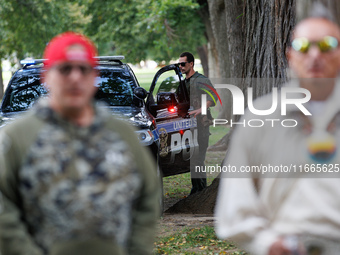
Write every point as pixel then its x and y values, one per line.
pixel 185 144
pixel 184 124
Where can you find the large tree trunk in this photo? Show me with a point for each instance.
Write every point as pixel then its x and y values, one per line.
pixel 212 55
pixel 258 35
pixel 203 54
pixel 251 38
pixel 234 53
pixel 1 81
pixel 267 26
pixel 214 70
pixel 217 15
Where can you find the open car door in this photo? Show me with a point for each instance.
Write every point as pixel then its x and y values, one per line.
pixel 168 101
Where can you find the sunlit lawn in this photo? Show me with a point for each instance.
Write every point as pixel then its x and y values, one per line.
pixel 198 240
pixel 145 76
pixel 6 75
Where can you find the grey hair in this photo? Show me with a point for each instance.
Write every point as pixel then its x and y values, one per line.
pixel 315 9
pixel 318 10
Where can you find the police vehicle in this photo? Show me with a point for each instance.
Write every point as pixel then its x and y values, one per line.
pixel 160 114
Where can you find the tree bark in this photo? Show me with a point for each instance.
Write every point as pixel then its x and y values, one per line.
pixel 213 64
pixel 1 81
pixel 203 54
pixel 267 26
pixel 235 47
pixel 251 37
pixel 235 36
pixel 217 16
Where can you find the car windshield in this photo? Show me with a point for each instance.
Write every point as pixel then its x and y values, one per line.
pixel 115 88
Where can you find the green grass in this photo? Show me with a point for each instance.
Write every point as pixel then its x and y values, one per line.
pixel 177 187
pixel 145 76
pixel 199 240
pixel 218 131
pixel 6 75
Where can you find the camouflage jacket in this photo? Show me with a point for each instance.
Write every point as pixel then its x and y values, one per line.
pixel 75 190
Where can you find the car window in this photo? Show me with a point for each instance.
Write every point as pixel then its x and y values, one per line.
pixel 25 90
pixel 167 82
pixel 115 87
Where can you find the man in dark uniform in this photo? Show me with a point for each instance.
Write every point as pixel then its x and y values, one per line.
pixel 197 84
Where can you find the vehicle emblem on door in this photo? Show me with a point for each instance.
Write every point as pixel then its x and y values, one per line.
pixel 163 138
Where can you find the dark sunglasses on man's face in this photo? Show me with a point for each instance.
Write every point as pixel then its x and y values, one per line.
pixel 66 69
pixel 303 45
pixel 182 63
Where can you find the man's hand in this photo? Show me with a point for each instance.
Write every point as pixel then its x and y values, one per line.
pixel 196 112
pixel 286 247
pixel 278 248
pixel 199 111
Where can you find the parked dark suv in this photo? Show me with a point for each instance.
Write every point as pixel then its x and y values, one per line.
pixel 160 115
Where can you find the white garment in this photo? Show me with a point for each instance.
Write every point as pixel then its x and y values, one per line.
pixel 281 207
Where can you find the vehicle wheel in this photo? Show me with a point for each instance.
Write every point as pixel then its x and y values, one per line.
pixel 160 177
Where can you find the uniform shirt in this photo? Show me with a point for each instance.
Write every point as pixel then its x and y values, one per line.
pixel 197 85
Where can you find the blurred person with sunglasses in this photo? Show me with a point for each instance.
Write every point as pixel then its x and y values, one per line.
pixel 74 179
pixel 298 211
pixel 197 84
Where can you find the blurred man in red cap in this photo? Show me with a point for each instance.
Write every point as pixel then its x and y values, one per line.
pixel 74 180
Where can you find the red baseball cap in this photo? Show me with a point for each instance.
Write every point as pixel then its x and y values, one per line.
pixel 57 50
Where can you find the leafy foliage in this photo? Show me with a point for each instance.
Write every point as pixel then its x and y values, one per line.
pixel 136 28
pixel 27 25
pixel 141 29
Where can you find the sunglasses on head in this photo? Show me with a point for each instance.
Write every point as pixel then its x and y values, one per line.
pixel 182 63
pixel 66 69
pixel 302 44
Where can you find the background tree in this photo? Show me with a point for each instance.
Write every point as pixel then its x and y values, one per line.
pixel 151 29
pixel 251 39
pixel 257 47
pixel 140 29
pixel 27 26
